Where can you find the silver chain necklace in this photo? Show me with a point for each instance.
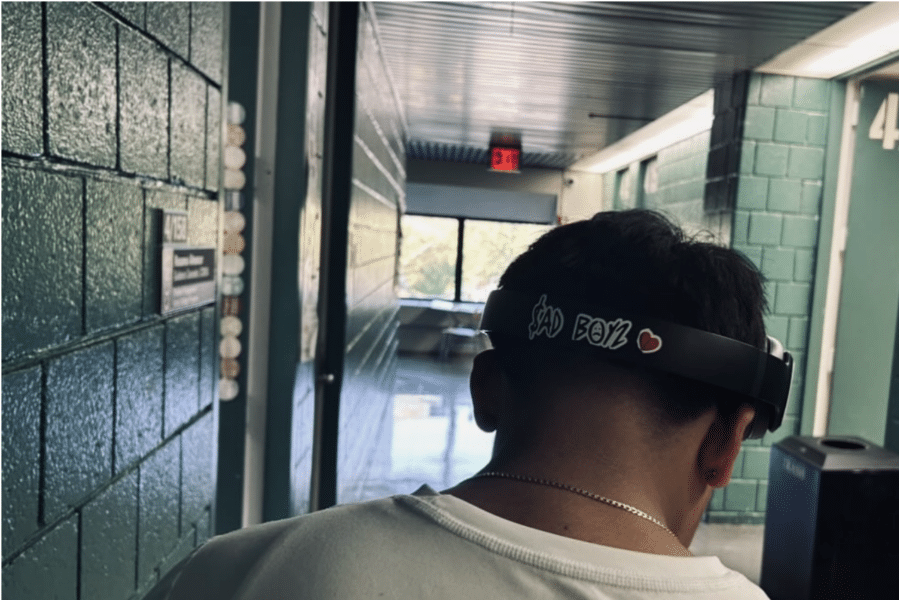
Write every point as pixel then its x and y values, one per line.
pixel 570 488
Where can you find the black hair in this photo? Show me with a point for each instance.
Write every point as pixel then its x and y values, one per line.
pixel 641 262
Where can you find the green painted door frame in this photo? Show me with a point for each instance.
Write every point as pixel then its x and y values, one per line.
pixel 290 187
pixel 866 329
pixel 826 236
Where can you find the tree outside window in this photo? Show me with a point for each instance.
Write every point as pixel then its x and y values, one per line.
pixel 430 255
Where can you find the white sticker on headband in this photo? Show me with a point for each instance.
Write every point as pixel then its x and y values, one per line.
pixel 601 333
pixel 545 320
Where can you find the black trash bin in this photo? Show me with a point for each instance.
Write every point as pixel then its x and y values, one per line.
pixel 832 523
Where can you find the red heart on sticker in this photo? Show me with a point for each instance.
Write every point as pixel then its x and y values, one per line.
pixel 648 341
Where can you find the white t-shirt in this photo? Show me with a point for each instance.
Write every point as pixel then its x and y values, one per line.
pixel 429 546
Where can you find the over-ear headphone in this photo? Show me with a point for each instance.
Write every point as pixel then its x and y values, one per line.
pixel 762 376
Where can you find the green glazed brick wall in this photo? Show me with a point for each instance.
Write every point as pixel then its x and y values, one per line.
pixel 680 193
pixel 775 224
pixel 681 179
pixel 111 111
pixel 681 188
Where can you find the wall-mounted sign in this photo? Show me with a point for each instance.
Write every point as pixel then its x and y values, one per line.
pixel 174 227
pixel 188 277
pixel 885 125
pixel 187 272
pixel 504 158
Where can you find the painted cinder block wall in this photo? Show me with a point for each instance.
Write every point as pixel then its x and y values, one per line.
pixel 680 191
pixel 776 222
pixel 110 111
pixel 773 219
pixel 377 198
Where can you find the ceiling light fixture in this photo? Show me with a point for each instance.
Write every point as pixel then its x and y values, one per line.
pixel 865 37
pixel 865 50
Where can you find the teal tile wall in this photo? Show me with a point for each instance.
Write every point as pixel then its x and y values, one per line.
pixel 188 123
pixel 776 226
pixel 159 503
pixel 203 214
pixel 187 543
pixel 113 254
pixel 206 25
pixel 197 472
pixel 771 159
pixel 108 539
pixel 43 242
pixel 209 323
pixel 22 72
pixel 727 150
pixel 681 180
pixel 139 388
pixel 169 22
pixel 203 527
pixel 135 12
pixel 81 83
pixel 47 569
pixel 21 455
pixel 97 497
pixel 681 188
pixel 182 362
pixel 144 89
pixel 79 407
pixel 213 137
pixel 774 222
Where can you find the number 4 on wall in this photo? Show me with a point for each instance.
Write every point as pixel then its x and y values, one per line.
pixel 885 125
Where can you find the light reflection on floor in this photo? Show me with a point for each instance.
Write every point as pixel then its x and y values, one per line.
pixel 435 441
pixel 435 438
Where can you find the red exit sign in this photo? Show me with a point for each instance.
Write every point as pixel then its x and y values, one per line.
pixel 504 159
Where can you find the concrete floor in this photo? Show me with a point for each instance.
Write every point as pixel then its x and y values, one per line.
pixel 436 441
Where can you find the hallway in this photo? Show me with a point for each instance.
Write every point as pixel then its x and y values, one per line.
pixel 211 283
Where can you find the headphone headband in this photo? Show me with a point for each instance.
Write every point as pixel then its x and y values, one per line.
pixel 763 377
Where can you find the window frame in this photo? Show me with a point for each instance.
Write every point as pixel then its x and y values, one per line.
pixel 460 244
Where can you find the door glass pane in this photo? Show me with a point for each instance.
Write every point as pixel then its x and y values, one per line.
pixel 428 257
pixel 488 248
pixel 434 437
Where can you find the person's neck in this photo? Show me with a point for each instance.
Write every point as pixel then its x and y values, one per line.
pixel 573 515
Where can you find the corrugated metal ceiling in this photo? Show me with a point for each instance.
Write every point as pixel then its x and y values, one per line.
pixel 465 71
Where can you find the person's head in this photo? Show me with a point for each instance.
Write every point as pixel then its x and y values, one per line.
pixel 640 262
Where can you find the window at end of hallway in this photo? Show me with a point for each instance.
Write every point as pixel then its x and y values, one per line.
pixel 430 254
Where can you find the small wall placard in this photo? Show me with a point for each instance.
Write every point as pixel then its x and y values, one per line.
pixel 187 272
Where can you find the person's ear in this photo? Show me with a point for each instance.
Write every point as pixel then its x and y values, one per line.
pixel 487 389
pixel 721 445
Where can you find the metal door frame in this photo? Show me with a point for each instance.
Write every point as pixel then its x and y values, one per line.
pixel 340 109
